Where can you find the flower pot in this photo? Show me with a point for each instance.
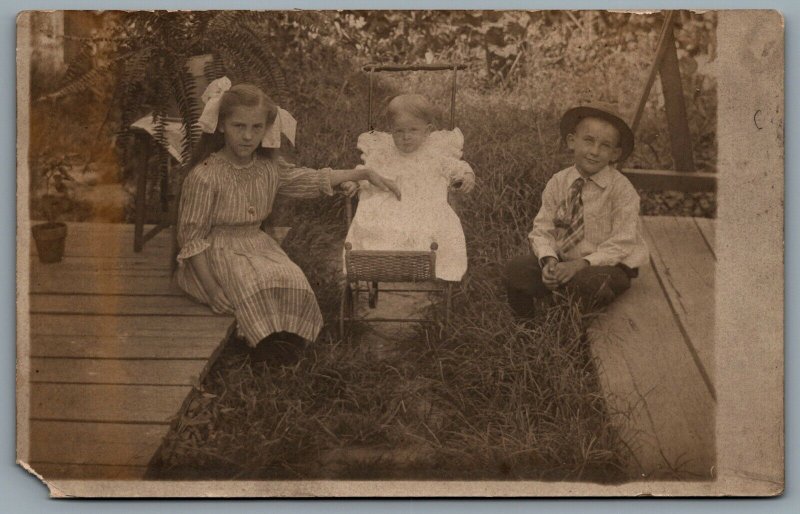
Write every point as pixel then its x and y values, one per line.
pixel 50 239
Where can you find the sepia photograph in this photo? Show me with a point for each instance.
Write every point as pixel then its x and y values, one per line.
pixel 337 253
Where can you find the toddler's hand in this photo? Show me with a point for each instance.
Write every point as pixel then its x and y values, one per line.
pixel 466 184
pixel 220 303
pixel 349 188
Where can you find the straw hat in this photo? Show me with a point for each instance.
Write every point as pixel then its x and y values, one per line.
pixel 603 111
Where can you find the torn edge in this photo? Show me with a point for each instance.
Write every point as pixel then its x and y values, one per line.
pixel 55 492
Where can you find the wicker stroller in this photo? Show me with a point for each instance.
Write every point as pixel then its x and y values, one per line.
pixel 399 271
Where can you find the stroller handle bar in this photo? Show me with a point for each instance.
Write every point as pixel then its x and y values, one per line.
pixel 371 69
pixel 413 67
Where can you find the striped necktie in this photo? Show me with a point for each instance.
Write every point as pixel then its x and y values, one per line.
pixel 574 232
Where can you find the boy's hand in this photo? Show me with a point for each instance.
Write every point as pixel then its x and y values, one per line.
pixel 549 273
pixel 566 270
pixel 466 184
pixel 349 188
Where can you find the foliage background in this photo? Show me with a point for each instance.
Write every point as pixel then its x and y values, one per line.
pixel 525 68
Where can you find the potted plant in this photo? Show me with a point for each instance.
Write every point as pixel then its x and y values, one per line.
pixel 51 236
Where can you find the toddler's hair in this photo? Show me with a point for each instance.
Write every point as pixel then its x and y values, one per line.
pixel 414 104
pixel 244 94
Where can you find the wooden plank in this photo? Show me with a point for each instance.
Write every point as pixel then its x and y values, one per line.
pixel 122 263
pixel 657 397
pixel 707 227
pixel 88 228
pixel 171 346
pixel 106 444
pixel 213 328
pixel 668 180
pixel 104 283
pixel 85 265
pixel 106 403
pixel 112 371
pixel 122 305
pixel 88 472
pixel 686 268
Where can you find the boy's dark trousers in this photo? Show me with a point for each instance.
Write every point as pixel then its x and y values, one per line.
pixel 595 286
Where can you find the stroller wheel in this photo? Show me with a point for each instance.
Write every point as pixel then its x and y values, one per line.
pixel 373 295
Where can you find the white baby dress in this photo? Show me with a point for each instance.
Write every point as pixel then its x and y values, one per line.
pixel 422 215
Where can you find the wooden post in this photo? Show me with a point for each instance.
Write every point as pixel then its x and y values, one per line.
pixel 369 100
pixel 454 87
pixel 675 104
pixel 651 74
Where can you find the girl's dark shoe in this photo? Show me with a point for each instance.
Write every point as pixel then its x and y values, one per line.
pixel 239 344
pixel 278 350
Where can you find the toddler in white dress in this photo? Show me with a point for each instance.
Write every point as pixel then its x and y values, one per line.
pixel 424 163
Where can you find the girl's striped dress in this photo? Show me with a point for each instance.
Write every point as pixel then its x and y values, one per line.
pixel 221 210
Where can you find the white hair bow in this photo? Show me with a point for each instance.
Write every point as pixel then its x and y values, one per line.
pixel 284 122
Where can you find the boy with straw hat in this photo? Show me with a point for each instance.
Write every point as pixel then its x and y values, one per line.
pixel 587 235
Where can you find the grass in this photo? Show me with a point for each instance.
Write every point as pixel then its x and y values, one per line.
pixel 492 399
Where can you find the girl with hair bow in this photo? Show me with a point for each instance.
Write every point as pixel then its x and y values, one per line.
pixel 225 260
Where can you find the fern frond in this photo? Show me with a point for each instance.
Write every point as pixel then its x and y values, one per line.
pixel 183 88
pixel 164 86
pixel 223 23
pixel 272 74
pixel 88 80
pixel 214 69
pixel 251 62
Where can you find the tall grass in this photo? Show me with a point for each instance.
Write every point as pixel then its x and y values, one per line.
pixel 491 400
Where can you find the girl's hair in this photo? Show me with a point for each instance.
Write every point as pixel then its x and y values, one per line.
pixel 416 105
pixel 247 95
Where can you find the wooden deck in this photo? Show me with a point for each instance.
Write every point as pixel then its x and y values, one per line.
pixel 115 350
pixel 655 349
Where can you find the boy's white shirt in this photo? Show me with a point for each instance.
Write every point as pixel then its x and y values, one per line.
pixel 612 227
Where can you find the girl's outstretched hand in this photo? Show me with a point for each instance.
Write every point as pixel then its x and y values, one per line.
pixel 381 182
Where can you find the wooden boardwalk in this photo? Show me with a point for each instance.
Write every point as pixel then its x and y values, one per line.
pixel 655 349
pixel 115 350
